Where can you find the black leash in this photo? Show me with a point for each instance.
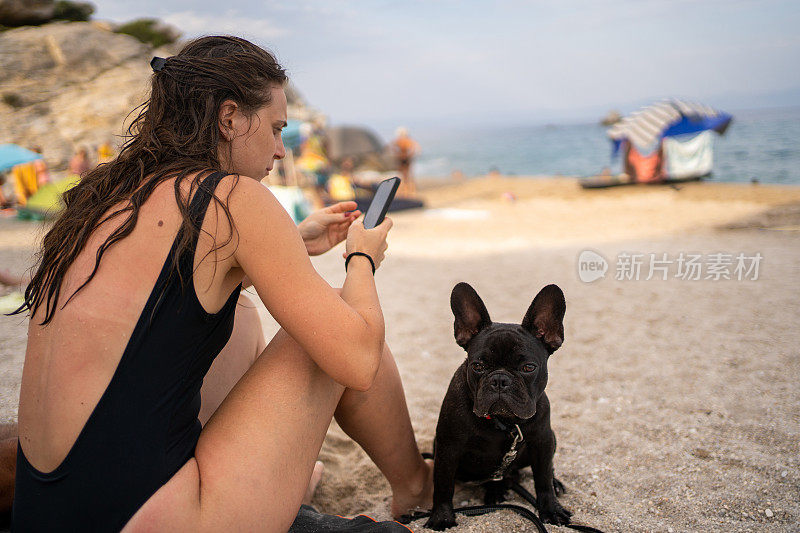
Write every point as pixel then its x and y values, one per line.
pixel 523 493
pixel 478 510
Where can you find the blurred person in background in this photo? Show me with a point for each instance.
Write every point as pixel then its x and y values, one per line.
pixel 105 153
pixel 4 201
pixel 340 184
pixel 25 181
pixel 405 149
pixel 40 166
pixel 79 163
pixel 313 159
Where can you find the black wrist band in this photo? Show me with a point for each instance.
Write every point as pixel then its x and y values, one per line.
pixel 371 262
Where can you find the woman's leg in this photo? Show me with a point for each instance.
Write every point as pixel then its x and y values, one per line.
pixel 400 463
pixel 243 348
pixel 246 343
pixel 378 420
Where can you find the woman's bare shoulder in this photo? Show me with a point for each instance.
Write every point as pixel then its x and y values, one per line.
pixel 251 199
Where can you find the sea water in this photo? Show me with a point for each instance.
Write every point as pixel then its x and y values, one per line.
pixel 762 145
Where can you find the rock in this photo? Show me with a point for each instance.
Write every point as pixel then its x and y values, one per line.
pixel 611 118
pixel 22 12
pixel 43 60
pixel 67 84
pixel 768 513
pixel 70 83
pixel 701 453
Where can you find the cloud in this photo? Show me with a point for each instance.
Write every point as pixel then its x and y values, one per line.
pixel 193 23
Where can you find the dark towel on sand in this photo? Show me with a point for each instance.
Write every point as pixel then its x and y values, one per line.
pixel 310 521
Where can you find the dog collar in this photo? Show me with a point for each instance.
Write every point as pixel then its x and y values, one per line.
pixel 499 425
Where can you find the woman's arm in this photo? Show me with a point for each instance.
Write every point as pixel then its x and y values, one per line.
pixel 323 229
pixel 344 335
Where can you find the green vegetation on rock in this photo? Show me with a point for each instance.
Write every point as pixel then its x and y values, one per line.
pixel 73 11
pixel 149 31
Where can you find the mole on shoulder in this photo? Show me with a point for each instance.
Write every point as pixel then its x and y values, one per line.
pixel 160 223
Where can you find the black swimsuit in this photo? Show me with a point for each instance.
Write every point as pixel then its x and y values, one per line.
pixel 145 426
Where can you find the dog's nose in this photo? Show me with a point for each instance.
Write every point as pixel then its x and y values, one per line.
pixel 500 382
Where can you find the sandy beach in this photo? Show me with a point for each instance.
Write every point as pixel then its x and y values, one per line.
pixel 675 402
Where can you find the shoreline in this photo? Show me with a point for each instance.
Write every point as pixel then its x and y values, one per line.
pixel 771 194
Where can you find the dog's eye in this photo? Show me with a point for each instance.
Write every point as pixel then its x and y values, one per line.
pixel 530 367
pixel 478 367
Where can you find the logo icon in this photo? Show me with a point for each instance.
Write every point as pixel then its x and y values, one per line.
pixel 591 266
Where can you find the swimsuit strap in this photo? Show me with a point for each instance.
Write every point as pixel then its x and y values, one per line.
pixel 202 198
pixel 197 212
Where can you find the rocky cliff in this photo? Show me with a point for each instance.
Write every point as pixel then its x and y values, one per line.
pixel 68 84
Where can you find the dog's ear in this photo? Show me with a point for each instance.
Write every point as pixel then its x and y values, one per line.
pixel 545 317
pixel 471 315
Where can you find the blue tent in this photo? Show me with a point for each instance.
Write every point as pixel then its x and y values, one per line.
pixel 12 155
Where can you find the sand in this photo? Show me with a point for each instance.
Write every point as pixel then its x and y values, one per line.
pixel 675 403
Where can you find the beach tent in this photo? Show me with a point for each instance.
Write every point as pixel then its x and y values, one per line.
pixel 12 155
pixel 688 156
pixel 669 118
pixel 683 127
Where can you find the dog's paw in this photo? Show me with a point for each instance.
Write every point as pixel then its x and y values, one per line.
pixel 555 514
pixel 441 519
pixel 559 487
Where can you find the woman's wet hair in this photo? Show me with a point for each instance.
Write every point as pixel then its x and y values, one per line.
pixel 176 132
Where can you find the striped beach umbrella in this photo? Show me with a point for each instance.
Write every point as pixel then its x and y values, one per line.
pixel 667 118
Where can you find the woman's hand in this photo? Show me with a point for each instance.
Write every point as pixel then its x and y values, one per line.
pixel 324 229
pixel 369 241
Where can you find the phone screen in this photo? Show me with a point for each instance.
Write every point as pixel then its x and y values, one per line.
pixel 380 202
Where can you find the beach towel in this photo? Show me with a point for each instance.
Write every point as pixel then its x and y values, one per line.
pixel 47 201
pixel 689 156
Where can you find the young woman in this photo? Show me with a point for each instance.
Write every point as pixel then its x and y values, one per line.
pixel 136 293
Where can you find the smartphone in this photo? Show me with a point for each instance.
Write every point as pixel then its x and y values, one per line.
pixel 380 202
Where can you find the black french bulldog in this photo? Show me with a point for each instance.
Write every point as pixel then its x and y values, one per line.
pixel 494 396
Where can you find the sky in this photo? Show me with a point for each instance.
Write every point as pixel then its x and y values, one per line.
pixel 384 63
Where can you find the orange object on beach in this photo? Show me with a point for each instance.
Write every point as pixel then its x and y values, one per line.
pixel 647 168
